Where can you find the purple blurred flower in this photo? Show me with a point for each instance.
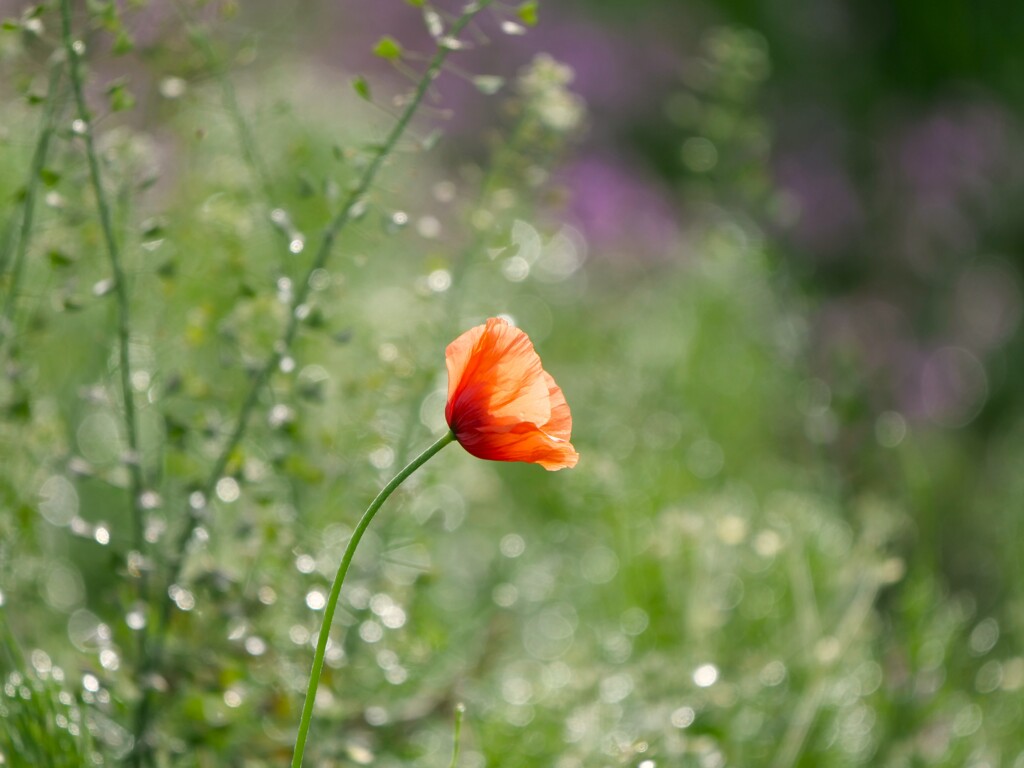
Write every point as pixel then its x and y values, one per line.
pixel 946 174
pixel 949 387
pixel 614 205
pixel 953 152
pixel 830 212
pixel 615 73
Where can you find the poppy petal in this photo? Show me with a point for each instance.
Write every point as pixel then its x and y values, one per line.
pixel 560 423
pixel 502 404
pixel 458 355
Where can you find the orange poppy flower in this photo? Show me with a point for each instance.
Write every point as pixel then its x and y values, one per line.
pixel 502 404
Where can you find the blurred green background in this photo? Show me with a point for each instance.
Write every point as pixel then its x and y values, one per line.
pixel 773 254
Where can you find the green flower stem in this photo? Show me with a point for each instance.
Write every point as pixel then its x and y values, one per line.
pixel 332 599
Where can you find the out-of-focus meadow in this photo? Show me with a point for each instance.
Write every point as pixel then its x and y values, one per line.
pixel 772 254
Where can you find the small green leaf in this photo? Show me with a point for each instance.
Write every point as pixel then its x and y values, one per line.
pixel 49 177
pixel 152 228
pixel 176 430
pixel 10 25
pixel 306 185
pixel 527 13
pixel 121 98
pixel 360 86
pixel 20 409
pixel 105 14
pixel 388 48
pixel 123 43
pixel 415 3
pixel 59 258
pixel 315 319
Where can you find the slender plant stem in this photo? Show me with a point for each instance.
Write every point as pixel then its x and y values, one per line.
pixel 46 129
pixel 120 281
pixel 151 657
pixel 339 578
pixel 460 710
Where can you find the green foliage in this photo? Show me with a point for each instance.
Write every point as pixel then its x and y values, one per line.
pixel 527 13
pixel 707 588
pixel 120 97
pixel 388 48
pixel 361 87
pixel 41 721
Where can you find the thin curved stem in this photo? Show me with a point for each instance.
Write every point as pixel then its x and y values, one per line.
pixel 339 578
